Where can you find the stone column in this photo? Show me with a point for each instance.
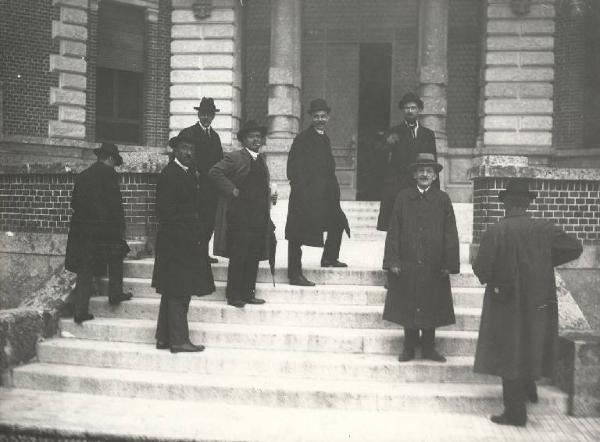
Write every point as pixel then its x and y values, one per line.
pixel 433 66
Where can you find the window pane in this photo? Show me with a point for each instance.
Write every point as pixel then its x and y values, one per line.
pixel 104 92
pixel 130 96
pixel 118 132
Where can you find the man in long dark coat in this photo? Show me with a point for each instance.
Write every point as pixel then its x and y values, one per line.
pixel 207 152
pixel 181 267
pixel 314 204
pixel 421 250
pixel 244 230
pixel 519 320
pixel 97 232
pixel 403 143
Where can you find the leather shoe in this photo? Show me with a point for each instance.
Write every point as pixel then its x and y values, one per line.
pixel 80 319
pixel 503 419
pixel 407 354
pixel 335 263
pixel 188 347
pixel 116 300
pixel 237 303
pixel 433 355
pixel 531 392
pixel 162 345
pixel 212 260
pixel 256 301
pixel 301 280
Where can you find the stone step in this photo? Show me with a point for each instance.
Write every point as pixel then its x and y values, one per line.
pixel 271 391
pixel 250 362
pixel 142 268
pixel 320 294
pixel 270 337
pixel 294 315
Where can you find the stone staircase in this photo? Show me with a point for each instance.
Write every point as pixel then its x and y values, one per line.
pixel 318 348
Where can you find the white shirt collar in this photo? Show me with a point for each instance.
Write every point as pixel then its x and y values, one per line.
pixel 252 153
pixel 185 168
pixel 422 191
pixel 204 128
pixel 320 132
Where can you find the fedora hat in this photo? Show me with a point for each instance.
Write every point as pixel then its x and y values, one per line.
pixel 318 105
pixel 207 105
pixel 425 159
pixel 181 138
pixel 109 150
pixel 517 187
pixel 410 97
pixel 250 126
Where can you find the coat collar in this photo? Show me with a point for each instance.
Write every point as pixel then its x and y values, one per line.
pixel 428 196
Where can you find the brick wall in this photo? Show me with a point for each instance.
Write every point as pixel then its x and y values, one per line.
pixel 92 59
pixel 24 66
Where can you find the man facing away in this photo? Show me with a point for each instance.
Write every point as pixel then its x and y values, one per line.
pixel 421 250
pixel 519 319
pixel 97 232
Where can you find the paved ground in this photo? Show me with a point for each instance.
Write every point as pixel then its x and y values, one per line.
pixel 102 416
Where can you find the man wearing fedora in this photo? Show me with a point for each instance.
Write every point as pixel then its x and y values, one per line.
pixel 97 233
pixel 207 152
pixel 403 143
pixel 181 267
pixel 519 319
pixel 421 251
pixel 314 204
pixel 244 231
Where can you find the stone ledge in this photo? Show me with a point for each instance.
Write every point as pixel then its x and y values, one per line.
pixel 505 166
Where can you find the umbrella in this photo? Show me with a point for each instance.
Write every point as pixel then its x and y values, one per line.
pixel 272 249
pixel 344 221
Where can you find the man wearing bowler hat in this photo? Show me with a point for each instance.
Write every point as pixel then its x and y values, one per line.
pixel 207 152
pixel 519 319
pixel 97 232
pixel 421 251
pixel 314 204
pixel 403 143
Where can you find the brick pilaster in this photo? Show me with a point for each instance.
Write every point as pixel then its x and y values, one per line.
pixel 92 59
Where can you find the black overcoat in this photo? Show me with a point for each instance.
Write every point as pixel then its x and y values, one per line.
pixel 422 240
pixel 181 266
pixel 98 223
pixel 314 204
pixel 519 320
pixel 401 155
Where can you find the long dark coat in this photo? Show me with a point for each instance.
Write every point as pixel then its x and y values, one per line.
pixel 98 223
pixel 519 320
pixel 181 266
pixel 314 204
pixel 207 152
pixel 422 240
pixel 227 175
pixel 402 154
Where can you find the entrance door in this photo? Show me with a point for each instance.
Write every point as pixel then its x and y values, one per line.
pixel 375 67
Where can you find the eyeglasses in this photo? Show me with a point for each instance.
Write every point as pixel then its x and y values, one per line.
pixel 410 108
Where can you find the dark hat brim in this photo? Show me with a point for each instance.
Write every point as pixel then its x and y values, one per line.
pixel 505 193
pixel 436 166
pixel 213 110
pixel 242 133
pixel 118 158
pixel 317 109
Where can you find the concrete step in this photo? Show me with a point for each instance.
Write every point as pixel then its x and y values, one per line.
pixel 274 392
pixel 270 337
pixel 321 294
pixel 293 315
pixel 250 362
pixel 142 268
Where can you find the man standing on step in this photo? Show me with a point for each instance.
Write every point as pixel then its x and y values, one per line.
pixel 421 251
pixel 181 267
pixel 244 230
pixel 519 320
pixel 97 233
pixel 403 142
pixel 314 205
pixel 207 152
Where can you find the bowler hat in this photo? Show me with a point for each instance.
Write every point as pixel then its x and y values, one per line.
pixel 425 159
pixel 318 105
pixel 250 126
pixel 207 105
pixel 410 97
pixel 109 150
pixel 517 187
pixel 181 138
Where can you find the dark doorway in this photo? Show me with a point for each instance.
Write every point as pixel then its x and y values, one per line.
pixel 375 68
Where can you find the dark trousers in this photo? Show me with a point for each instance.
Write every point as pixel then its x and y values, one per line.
pixel 331 251
pixel 84 287
pixel 172 325
pixel 412 340
pixel 514 395
pixel 244 256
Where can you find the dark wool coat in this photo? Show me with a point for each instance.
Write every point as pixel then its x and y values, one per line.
pixel 519 320
pixel 181 266
pixel 98 222
pixel 422 240
pixel 227 175
pixel 402 154
pixel 314 204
